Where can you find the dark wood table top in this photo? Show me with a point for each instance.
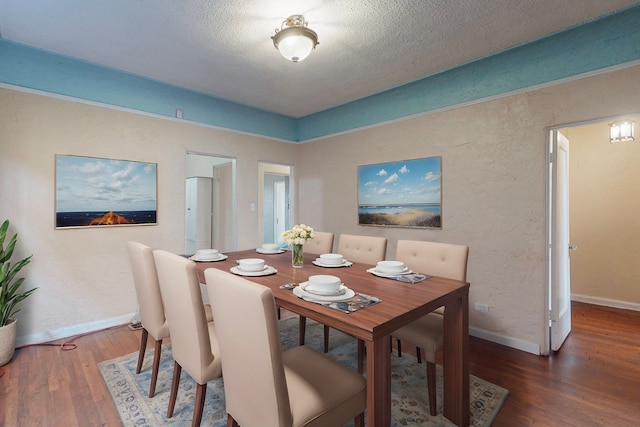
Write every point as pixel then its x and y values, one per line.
pixel 401 302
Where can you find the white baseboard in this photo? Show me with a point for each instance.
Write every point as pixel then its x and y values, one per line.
pixel 71 331
pixel 607 302
pixel 533 348
pixel 518 344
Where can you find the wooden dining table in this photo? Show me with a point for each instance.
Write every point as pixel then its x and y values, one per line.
pixel 401 303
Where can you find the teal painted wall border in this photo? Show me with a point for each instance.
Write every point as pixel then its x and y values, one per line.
pixel 596 45
pixel 600 44
pixel 37 69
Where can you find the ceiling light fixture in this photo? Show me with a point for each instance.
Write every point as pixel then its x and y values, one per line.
pixel 294 40
pixel 621 131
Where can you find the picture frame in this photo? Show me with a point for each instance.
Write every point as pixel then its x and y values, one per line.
pixel 405 194
pixel 100 192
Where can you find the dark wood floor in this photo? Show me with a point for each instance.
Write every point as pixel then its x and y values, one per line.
pixel 593 381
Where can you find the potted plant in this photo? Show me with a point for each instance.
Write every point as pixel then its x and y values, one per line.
pixel 9 295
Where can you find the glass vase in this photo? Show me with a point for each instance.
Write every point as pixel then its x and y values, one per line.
pixel 297 256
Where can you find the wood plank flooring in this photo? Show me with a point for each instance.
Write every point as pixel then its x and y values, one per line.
pixel 594 380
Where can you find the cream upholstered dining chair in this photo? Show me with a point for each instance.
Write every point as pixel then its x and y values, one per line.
pixel 264 386
pixel 322 243
pixel 150 305
pixel 362 249
pixel 152 318
pixel 436 259
pixel 194 342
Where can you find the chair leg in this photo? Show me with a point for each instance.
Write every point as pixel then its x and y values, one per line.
pixel 326 339
pixel 303 329
pixel 231 422
pixel 359 420
pixel 143 348
pixel 198 407
pixel 419 354
pixel 361 354
pixel 431 385
pixel 399 347
pixel 175 382
pixel 279 313
pixel 156 366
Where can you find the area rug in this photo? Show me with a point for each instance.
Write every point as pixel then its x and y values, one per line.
pixel 410 406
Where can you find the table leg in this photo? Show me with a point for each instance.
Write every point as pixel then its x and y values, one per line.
pixel 456 360
pixel 379 382
pixel 302 329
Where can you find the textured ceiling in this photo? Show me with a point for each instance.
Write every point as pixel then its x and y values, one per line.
pixel 223 47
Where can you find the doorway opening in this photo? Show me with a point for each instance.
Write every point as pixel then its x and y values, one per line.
pixel 210 208
pixel 275 203
pixel 590 250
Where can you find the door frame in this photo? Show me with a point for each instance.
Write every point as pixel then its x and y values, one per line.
pixel 548 189
pixel 274 168
pixel 217 159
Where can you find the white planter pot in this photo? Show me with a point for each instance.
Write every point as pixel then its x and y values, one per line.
pixel 7 342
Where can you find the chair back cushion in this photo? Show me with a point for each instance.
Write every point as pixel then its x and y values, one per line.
pixel 145 280
pixel 322 243
pixel 363 249
pixel 433 258
pixel 190 342
pixel 245 314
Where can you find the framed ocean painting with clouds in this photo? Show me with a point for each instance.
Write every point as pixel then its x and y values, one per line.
pixel 407 193
pixel 95 192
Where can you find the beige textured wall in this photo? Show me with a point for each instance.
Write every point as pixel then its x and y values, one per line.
pixel 83 275
pixel 493 194
pixel 494 167
pixel 605 225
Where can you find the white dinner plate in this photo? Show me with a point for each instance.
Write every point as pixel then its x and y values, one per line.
pixel 301 293
pixel 378 273
pixel 221 257
pixel 267 270
pixel 319 263
pixel 266 252
pixel 393 273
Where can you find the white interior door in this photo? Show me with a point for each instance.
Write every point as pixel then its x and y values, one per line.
pixel 560 268
pixel 279 209
pixel 198 214
pixel 223 219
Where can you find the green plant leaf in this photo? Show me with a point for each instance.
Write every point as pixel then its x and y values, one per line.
pixel 9 284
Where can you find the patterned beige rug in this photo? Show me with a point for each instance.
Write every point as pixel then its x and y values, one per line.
pixel 410 405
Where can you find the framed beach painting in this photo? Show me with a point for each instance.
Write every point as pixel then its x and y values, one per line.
pixel 96 192
pixel 407 193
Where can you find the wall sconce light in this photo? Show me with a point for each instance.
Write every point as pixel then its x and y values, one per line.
pixel 621 131
pixel 294 40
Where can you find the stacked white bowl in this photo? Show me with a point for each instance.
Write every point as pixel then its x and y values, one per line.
pixel 331 259
pixel 325 283
pixel 270 247
pixel 207 254
pixel 390 267
pixel 251 264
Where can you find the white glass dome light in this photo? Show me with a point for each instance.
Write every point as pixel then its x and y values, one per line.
pixel 294 40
